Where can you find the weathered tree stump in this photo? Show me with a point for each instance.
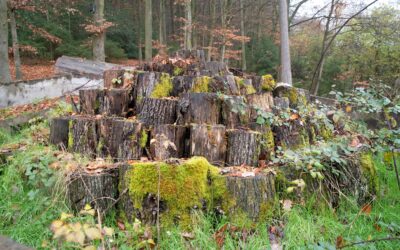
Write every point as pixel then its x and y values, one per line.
pixel 59 131
pixel 281 103
pixel 116 102
pixel 267 143
pixel 91 101
pixel 125 203
pixel 146 83
pixel 128 139
pixel 201 108
pixel 182 84
pixel 262 101
pixel 107 146
pixel 155 111
pixel 244 147
pixel 161 148
pixel 215 68
pixel 83 135
pixel 292 136
pixel 179 135
pixel 235 112
pixel 251 194
pixel 224 84
pixel 208 141
pixel 113 78
pixel 100 190
pixel 257 81
pixel 297 97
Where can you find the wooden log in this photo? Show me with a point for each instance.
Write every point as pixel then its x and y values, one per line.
pixel 224 84
pixel 292 136
pixel 99 190
pixel 82 67
pixel 257 82
pixel 91 101
pixel 155 111
pixel 128 139
pixel 208 141
pixel 59 131
pixel 251 194
pixel 125 203
pixel 116 102
pixel 260 101
pixel 83 135
pixel 244 147
pixel 201 108
pixel 235 112
pixel 281 103
pixel 267 143
pixel 113 78
pixel 161 148
pixel 146 83
pixel 179 135
pixel 297 97
pixel 182 84
pixel 107 146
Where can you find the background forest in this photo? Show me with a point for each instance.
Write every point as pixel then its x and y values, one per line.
pixel 245 33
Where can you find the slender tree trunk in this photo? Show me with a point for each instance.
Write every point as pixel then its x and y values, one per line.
pixel 148 28
pixel 211 41
pixel 223 24
pixel 99 39
pixel 5 75
pixel 286 71
pixel 243 33
pixel 139 28
pixel 17 59
pixel 162 27
pixel 318 71
pixel 188 26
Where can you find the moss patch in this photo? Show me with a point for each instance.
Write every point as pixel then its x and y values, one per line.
pixel 268 142
pixel 182 187
pixel 163 87
pixel 246 89
pixel 70 134
pixel 202 84
pixel 296 99
pixel 143 139
pixel 369 172
pixel 267 82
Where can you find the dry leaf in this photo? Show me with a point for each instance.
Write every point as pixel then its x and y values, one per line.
pixel 366 209
pixel 339 242
pixel 287 205
pixel 93 233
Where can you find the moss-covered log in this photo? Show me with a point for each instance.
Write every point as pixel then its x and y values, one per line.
pixel 253 196
pixel 235 112
pixel 224 84
pixel 182 84
pixel 297 97
pixel 155 111
pixel 291 136
pixel 244 147
pixel 260 101
pixel 281 103
pixel 208 141
pixel 178 135
pixel 267 147
pixel 59 131
pixel 201 108
pixel 83 135
pixel 100 190
pixel 91 101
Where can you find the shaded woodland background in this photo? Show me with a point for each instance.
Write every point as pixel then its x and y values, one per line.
pixel 244 33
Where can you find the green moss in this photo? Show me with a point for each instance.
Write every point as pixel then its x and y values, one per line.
pixel 248 88
pixel 182 187
pixel 369 171
pixel 163 88
pixel 202 84
pixel 178 71
pixel 325 132
pixel 296 99
pixel 70 134
pixel 268 142
pixel 143 138
pixel 267 82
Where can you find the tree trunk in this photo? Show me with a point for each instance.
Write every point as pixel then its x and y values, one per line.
pixel 5 75
pixel 243 33
pixel 99 38
pixel 162 26
pixel 116 102
pixel 223 25
pixel 251 194
pixel 83 136
pixel 91 101
pixel 148 28
pixel 244 147
pixel 100 190
pixel 17 58
pixel 178 135
pixel 235 112
pixel 188 24
pixel 201 108
pixel 211 39
pixel 154 111
pixel 286 71
pixel 139 27
pixel 59 131
pixel 208 141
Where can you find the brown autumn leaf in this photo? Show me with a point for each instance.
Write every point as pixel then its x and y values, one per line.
pixel 294 116
pixel 348 109
pixel 121 225
pixel 219 236
pixel 377 227
pixel 340 242
pixel 366 209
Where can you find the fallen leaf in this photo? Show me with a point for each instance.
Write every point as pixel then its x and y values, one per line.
pixel 339 242
pixel 366 209
pixel 287 205
pixel 187 235
pixel 377 227
pixel 348 109
pixel 219 236
pixel 294 116
pixel 93 233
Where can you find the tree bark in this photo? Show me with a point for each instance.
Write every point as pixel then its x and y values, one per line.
pixel 14 35
pixel 262 101
pixel 179 135
pixel 110 75
pixel 235 112
pixel 99 38
pixel 148 28
pixel 5 75
pixel 208 141
pixel 91 101
pixel 154 111
pixel 83 136
pixel 201 108
pixel 162 26
pixel 145 85
pixel 127 137
pixel 59 131
pixel 211 39
pixel 188 24
pixel 244 147
pixel 286 71
pixel 116 102
pixel 251 193
pixel 243 33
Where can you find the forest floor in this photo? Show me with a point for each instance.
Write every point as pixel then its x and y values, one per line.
pixel 32 196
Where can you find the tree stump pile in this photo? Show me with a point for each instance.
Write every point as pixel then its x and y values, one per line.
pixel 198 109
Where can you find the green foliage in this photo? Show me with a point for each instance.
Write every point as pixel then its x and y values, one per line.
pixel 113 50
pixel 264 57
pixel 202 84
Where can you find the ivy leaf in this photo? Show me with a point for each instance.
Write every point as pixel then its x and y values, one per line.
pixel 260 120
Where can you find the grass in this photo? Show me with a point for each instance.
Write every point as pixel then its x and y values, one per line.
pixel 29 202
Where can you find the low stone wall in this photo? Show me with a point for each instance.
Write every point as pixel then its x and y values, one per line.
pixel 24 92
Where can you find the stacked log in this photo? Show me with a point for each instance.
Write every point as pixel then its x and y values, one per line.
pixel 59 131
pixel 155 111
pixel 243 148
pixel 200 108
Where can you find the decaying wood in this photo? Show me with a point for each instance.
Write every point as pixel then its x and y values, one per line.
pixel 182 84
pixel 161 148
pixel 83 135
pixel 100 190
pixel 244 147
pixel 116 102
pixel 83 67
pixel 126 139
pixel 59 131
pixel 224 84
pixel 91 101
pixel 179 135
pixel 267 147
pixel 251 194
pixel 107 146
pixel 262 101
pixel 256 81
pixel 297 97
pixel 110 76
pixel 291 136
pixel 201 108
pixel 208 141
pixel 146 81
pixel 235 112
pixel 281 103
pixel 155 111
